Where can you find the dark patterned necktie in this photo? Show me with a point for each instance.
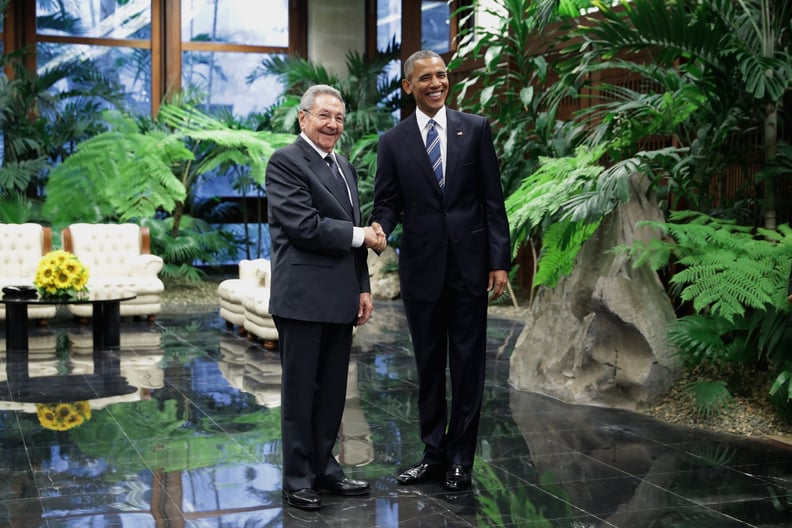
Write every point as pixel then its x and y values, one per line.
pixel 339 179
pixel 433 149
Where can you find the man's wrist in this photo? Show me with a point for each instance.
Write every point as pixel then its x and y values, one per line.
pixel 358 236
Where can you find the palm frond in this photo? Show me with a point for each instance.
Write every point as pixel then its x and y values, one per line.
pixel 712 397
pixel 699 339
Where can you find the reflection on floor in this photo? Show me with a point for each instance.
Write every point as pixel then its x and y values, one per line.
pixel 181 429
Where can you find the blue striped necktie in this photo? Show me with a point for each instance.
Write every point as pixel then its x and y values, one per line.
pixel 433 149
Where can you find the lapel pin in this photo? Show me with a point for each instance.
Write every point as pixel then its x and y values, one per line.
pixel 459 132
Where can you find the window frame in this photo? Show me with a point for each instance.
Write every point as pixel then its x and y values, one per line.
pixel 166 45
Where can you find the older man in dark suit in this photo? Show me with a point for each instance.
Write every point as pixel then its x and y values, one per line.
pixel 320 289
pixel 438 175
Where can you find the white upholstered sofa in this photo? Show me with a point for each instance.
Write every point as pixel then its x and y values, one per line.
pixel 244 301
pixel 21 249
pixel 119 259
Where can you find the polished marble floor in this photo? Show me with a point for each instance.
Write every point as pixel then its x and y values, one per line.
pixel 181 429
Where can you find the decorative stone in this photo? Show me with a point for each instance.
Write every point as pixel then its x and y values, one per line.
pixel 384 274
pixel 599 336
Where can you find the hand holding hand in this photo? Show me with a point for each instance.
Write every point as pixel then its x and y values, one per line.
pixel 375 238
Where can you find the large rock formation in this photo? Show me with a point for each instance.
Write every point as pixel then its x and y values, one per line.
pixel 599 336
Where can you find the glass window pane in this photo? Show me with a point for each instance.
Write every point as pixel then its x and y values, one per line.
pixel 130 67
pixel 222 78
pixel 253 22
pixel 95 18
pixel 389 13
pixel 435 29
pixel 257 240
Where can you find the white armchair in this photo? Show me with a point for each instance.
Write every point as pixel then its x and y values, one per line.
pixel 118 258
pixel 21 249
pixel 244 301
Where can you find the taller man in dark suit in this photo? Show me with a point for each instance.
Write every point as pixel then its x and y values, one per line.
pixel 320 289
pixel 438 175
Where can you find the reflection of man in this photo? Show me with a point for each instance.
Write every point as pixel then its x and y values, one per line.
pixel 437 174
pixel 320 289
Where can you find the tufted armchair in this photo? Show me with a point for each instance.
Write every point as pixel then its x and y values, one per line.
pixel 244 301
pixel 21 249
pixel 118 258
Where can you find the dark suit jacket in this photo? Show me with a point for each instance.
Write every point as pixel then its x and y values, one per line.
pixel 316 275
pixel 469 218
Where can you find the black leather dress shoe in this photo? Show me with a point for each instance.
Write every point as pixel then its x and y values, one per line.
pixel 347 487
pixel 305 499
pixel 457 478
pixel 420 472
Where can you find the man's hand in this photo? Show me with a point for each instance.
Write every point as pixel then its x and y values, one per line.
pixel 365 308
pixel 374 238
pixel 497 283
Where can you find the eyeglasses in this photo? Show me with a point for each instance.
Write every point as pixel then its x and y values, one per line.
pixel 326 117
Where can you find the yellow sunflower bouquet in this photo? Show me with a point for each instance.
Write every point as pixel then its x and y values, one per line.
pixel 63 416
pixel 60 274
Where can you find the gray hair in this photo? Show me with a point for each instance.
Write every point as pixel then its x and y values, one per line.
pixel 308 99
pixel 418 55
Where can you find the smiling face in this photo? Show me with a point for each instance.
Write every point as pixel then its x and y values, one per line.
pixel 323 123
pixel 428 84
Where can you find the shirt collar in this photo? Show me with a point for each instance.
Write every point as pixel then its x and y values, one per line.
pixel 319 151
pixel 439 117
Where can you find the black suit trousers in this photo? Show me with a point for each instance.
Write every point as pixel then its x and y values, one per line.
pixel 315 361
pixel 450 331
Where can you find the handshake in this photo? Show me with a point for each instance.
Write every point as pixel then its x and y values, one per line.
pixel 374 238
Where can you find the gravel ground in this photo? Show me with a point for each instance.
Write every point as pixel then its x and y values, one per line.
pixel 751 413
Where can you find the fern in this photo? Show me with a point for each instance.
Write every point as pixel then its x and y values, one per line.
pixel 232 147
pixel 726 268
pixel 126 173
pixel 561 244
pixel 537 207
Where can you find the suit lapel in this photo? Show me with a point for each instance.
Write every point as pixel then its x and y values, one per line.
pixel 349 170
pixel 320 169
pixel 455 139
pixel 417 148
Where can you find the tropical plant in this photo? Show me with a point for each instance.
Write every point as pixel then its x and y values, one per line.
pixel 675 65
pixel 222 145
pixel 145 171
pixel 740 269
pixel 43 115
pixel 735 280
pixel 712 74
pixel 508 86
pixel 127 173
pixel 371 94
pixel 564 200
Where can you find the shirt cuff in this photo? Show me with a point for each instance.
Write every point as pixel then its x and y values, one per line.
pixel 358 235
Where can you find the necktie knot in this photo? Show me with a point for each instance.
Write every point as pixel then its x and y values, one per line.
pixel 333 167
